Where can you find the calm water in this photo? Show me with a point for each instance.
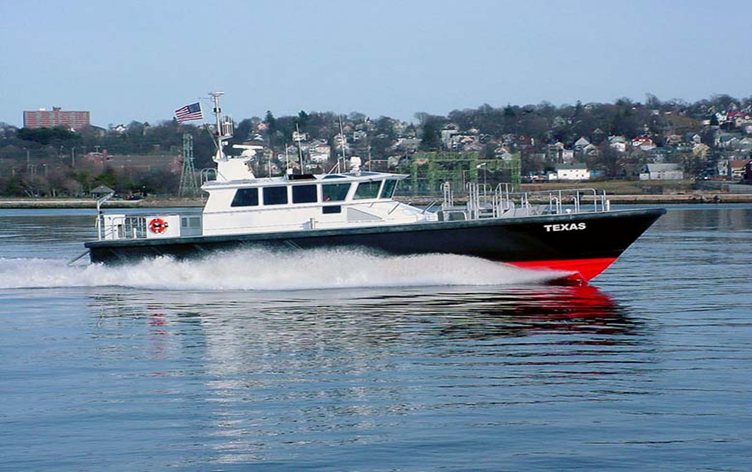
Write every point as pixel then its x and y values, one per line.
pixel 434 363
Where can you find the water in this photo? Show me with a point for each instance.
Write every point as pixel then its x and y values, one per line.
pixel 407 364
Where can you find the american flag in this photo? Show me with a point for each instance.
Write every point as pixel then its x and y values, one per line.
pixel 189 112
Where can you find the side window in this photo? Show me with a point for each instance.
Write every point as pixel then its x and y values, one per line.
pixel 367 190
pixel 388 189
pixel 335 192
pixel 245 197
pixel 275 195
pixel 304 194
pixel 331 209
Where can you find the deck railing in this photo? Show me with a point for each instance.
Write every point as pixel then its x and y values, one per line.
pixel 483 201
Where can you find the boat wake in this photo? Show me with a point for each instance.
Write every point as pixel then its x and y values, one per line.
pixel 256 269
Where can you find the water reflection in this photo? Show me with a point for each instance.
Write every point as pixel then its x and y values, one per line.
pixel 375 316
pixel 274 375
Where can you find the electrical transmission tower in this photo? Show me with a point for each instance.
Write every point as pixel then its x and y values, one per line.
pixel 188 184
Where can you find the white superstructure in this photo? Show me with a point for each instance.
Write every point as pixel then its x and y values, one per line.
pixel 299 202
pixel 240 203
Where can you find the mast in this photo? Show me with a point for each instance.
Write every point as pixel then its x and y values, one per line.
pixel 229 168
pixel 342 145
pixel 300 151
pixel 223 133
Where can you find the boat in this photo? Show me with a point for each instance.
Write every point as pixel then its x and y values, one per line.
pixel 574 232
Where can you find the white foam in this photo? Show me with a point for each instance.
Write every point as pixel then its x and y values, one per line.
pixel 264 270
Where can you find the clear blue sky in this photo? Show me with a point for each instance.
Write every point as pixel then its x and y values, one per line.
pixel 140 60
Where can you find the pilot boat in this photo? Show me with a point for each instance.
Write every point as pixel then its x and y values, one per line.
pixel 574 232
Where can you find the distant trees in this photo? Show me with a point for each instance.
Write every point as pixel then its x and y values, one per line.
pixel 430 136
pixel 45 136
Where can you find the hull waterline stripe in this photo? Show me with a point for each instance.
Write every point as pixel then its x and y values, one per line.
pixel 587 268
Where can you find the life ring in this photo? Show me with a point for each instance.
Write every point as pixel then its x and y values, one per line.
pixel 158 225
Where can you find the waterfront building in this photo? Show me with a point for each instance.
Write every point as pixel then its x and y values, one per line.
pixel 662 172
pixel 575 171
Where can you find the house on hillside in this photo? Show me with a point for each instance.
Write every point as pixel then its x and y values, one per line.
pixel 659 154
pixel 672 139
pixel 472 147
pixel 618 142
pixel 739 118
pixel 643 142
pixel 744 144
pixel 580 144
pixel 662 172
pixel 502 153
pixel 406 144
pixel 737 168
pixel 701 150
pixel 340 143
pixel 447 132
pixel 320 152
pixel 558 153
pixel 582 147
pixel 692 138
pixel 727 140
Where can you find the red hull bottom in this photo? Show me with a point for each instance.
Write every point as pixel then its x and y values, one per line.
pixel 585 269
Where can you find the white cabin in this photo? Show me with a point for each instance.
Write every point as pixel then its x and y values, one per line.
pixel 278 204
pixel 305 202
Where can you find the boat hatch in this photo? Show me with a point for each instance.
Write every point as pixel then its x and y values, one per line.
pixel 301 177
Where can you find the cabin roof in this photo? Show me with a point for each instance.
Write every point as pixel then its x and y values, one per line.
pixel 285 180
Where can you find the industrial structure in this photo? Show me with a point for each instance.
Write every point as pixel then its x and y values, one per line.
pixel 428 170
pixel 188 183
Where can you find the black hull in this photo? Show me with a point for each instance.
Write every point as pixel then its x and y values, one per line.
pixel 566 237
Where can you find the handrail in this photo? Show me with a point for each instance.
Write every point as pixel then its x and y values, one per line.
pixel 205 174
pixel 100 215
pixel 503 202
pixel 448 194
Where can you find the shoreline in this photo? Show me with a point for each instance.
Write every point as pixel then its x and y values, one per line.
pixel 73 203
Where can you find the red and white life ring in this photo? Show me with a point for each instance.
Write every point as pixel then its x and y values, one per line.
pixel 158 225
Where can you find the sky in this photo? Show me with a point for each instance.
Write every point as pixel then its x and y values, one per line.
pixel 140 60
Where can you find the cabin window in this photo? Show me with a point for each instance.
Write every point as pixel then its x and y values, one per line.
pixel 190 222
pixel 275 196
pixel 328 210
pixel 335 192
pixel 245 197
pixel 367 190
pixel 388 189
pixel 304 194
